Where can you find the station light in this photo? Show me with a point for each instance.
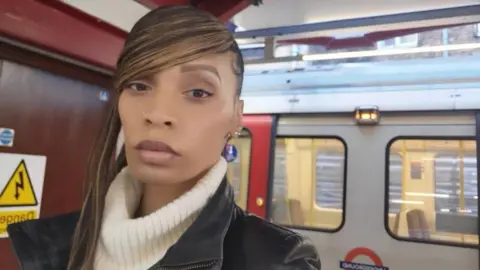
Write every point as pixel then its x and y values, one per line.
pixel 368 53
pixel 367 115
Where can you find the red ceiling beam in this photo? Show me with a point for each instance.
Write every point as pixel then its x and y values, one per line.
pixel 161 3
pixel 223 9
pixel 57 27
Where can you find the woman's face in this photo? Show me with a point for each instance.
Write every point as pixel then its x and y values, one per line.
pixel 176 123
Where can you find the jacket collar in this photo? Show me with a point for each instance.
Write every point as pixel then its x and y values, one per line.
pixel 203 240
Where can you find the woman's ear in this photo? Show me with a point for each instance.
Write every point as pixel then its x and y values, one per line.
pixel 236 123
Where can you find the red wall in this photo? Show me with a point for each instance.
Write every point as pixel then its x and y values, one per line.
pixel 52 115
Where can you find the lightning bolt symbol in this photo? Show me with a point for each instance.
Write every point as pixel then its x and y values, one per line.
pixel 19 186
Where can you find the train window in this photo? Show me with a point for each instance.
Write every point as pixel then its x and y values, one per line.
pixel 395 169
pixel 308 183
pixel 433 196
pixel 238 169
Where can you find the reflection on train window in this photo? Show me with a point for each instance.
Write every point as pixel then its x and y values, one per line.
pixel 238 169
pixel 433 191
pixel 308 184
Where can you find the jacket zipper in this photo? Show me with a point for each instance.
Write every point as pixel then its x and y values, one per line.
pixel 190 267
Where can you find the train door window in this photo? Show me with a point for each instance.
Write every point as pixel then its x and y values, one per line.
pixel 239 167
pixel 308 183
pixel 438 199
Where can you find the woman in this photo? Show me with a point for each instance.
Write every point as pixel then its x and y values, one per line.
pixel 178 78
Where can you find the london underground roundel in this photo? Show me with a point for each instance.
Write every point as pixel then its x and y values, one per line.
pixel 349 262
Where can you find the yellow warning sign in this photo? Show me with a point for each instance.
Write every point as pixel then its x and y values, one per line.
pixel 19 189
pixel 10 217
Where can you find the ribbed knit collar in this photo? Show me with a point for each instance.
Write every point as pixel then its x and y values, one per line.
pixel 137 243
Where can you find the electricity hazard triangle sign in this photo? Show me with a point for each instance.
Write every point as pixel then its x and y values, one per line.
pixel 19 189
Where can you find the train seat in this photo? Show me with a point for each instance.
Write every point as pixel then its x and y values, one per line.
pixel 417 224
pixel 296 213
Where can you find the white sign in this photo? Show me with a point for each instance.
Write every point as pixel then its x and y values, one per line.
pixel 21 188
pixel 6 137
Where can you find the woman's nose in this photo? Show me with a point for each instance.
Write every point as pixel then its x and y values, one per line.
pixel 158 119
pixel 161 112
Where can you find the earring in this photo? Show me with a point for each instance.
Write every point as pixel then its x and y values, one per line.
pixel 237 133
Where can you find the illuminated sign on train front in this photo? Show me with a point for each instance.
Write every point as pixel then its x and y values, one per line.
pixel 348 263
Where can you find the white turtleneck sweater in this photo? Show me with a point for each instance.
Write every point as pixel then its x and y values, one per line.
pixel 128 243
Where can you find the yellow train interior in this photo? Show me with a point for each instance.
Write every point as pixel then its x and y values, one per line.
pixel 428 180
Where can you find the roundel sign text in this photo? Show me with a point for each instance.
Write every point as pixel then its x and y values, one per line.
pixel 349 264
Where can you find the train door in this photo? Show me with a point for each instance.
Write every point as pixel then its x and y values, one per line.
pixel 238 155
pixel 402 194
pixel 248 157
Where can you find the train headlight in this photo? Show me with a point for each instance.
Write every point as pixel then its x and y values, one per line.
pixel 367 115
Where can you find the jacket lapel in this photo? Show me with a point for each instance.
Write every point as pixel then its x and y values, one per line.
pixel 43 244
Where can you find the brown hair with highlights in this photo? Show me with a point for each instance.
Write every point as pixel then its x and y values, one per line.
pixel 163 38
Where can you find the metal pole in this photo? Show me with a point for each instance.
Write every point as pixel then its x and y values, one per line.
pixel 461 179
pixel 404 175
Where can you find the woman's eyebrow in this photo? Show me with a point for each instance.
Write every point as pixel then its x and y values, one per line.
pixel 150 80
pixel 195 67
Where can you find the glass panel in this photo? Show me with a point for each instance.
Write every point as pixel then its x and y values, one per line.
pixel 438 198
pixel 308 184
pixel 408 39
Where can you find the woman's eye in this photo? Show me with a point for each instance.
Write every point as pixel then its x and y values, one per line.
pixel 199 93
pixel 139 87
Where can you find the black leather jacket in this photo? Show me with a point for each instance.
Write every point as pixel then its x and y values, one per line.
pixel 223 237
